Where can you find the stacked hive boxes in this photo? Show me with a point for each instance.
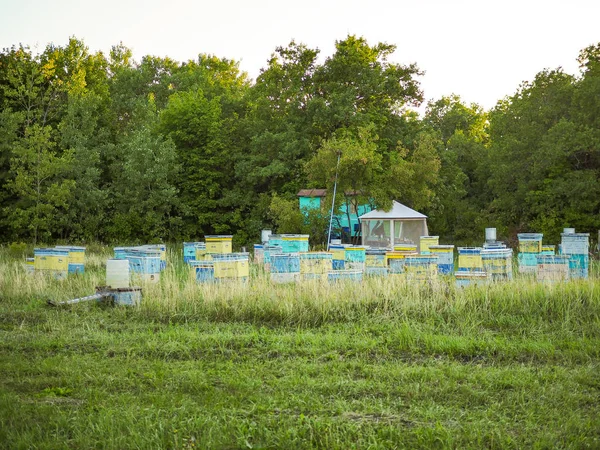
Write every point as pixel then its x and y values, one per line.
pixel 258 253
pixel 355 257
pixel 395 261
pixel 339 256
pixel 285 267
pixel 189 250
pixel 375 262
pixel 219 244
pixel 144 266
pixel 426 242
pixel 552 267
pixel 162 253
pixel 145 262
pixel 470 267
pixel 202 271
pixel 497 263
pixel 445 258
pixel 269 250
pixel 76 258
pixel 577 247
pixel 53 261
pixel 315 265
pixel 420 267
pixel 530 246
pixel 231 266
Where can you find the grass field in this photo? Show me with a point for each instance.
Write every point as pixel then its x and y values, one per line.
pixel 380 364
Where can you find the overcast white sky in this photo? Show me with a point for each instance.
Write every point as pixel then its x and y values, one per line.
pixel 480 50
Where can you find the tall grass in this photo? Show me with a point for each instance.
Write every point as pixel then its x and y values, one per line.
pixel 383 363
pixel 177 297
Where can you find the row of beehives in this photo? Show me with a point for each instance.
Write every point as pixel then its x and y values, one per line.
pixel 280 257
pixel 572 260
pixel 58 261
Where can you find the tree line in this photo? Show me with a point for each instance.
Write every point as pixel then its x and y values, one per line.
pixel 98 147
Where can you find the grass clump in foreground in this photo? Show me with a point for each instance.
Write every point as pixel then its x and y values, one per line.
pixel 381 364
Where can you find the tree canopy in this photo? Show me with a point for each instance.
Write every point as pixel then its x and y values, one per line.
pixel 98 147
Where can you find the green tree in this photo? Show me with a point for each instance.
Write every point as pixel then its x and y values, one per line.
pixel 38 182
pixel 459 209
pixel 195 126
pixel 366 176
pixel 143 191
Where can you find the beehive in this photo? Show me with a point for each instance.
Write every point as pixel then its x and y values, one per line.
pixel 426 242
pixel 464 278
pixel 552 267
pixel 339 256
pixel 189 250
pixel 445 258
pixel 497 262
pixel 258 253
pixel 76 258
pixel 420 267
pixel 315 263
pixel 52 261
pixel 294 243
pixel 233 266
pixel 469 259
pixel 530 242
pixel 202 271
pixel 220 244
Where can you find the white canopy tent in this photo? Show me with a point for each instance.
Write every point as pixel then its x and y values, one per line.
pixel 399 225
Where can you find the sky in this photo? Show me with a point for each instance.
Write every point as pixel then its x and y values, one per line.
pixel 480 50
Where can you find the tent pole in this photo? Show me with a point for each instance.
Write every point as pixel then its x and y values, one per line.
pixel 333 201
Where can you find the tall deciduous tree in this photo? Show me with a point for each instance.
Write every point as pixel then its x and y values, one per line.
pixel 39 183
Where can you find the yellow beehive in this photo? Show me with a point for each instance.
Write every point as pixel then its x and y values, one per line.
pixel 51 259
pixel 40 262
pixel 242 268
pixel 397 255
pixel 339 254
pixel 312 264
pixel 375 261
pixel 219 244
pixel 225 269
pixel 470 262
pixel 76 256
pixel 426 242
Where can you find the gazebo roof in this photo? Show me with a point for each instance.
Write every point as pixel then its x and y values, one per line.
pixel 398 211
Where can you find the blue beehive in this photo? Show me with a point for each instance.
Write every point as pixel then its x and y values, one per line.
pixel 285 263
pixel 339 256
pixel 294 243
pixel 269 250
pixel 189 250
pixel 202 271
pixel 445 261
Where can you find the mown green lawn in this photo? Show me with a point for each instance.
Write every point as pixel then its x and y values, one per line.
pixel 487 373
